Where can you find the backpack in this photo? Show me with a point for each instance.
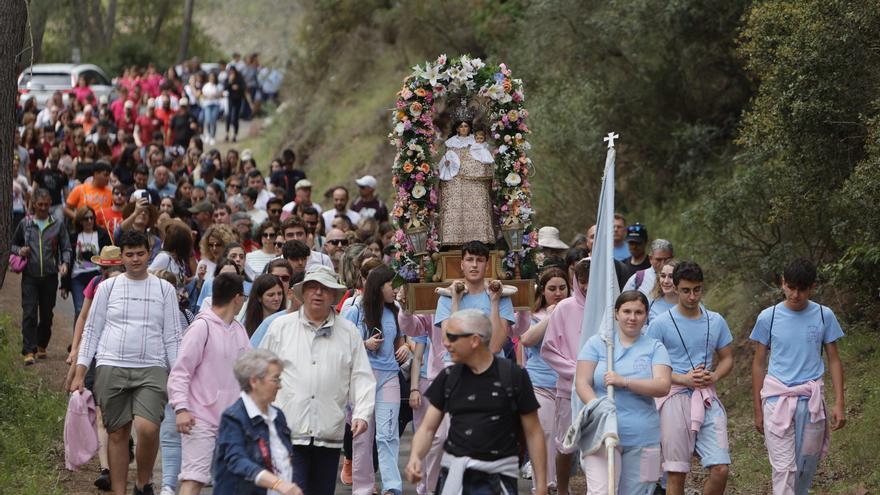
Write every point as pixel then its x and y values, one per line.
pixel 505 374
pixel 640 277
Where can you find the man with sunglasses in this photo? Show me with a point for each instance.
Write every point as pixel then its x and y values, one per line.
pixel 488 399
pixel 335 246
pixel 692 418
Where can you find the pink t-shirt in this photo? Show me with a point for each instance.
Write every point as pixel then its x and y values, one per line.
pixel 92 287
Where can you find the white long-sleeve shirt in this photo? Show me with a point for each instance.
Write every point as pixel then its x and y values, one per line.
pixel 132 324
pixel 322 374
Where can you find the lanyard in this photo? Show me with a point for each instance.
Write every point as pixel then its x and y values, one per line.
pixel 267 456
pixel 706 356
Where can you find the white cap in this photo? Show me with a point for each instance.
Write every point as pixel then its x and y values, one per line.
pixel 183 102
pixel 246 154
pixel 548 237
pixel 129 104
pixel 103 100
pixel 302 184
pixel 367 181
pixel 151 103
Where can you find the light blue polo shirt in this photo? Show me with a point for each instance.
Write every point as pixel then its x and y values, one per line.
pixel 657 307
pixel 479 301
pixel 638 422
pixel 540 373
pixel 696 349
pixel 382 359
pixel 798 337
pixel 257 337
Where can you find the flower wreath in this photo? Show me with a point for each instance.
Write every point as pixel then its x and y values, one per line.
pixel 414 173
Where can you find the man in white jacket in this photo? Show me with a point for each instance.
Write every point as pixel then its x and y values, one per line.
pixel 327 368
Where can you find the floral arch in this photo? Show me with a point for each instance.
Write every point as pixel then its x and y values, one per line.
pixel 414 173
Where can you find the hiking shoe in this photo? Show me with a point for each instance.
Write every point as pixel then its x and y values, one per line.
pixel 345 475
pixel 103 481
pixel 146 490
pixel 29 359
pixel 41 353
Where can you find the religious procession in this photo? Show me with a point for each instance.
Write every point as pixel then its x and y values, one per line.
pixel 216 328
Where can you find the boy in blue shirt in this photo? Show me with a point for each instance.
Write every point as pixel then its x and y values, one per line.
pixel 691 416
pixel 789 396
pixel 474 292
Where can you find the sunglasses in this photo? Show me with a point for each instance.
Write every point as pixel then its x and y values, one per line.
pixel 283 278
pixel 89 218
pixel 279 244
pixel 234 186
pixel 338 242
pixel 268 234
pixel 452 337
pixel 275 211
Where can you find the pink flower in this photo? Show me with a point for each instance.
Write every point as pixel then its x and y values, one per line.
pixel 433 196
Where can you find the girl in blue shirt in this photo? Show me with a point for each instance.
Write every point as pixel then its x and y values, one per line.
pixel 663 296
pixel 642 371
pixel 376 317
pixel 552 288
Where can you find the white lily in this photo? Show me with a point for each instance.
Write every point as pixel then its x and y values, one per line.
pixel 433 74
pixel 495 91
pixel 399 129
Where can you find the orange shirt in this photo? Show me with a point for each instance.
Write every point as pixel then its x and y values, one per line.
pixel 99 199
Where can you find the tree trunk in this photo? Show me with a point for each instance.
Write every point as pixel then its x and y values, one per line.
pixel 110 25
pixel 39 16
pixel 13 22
pixel 184 33
pixel 162 13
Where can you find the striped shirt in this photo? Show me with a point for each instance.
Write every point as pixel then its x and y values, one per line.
pixel 132 324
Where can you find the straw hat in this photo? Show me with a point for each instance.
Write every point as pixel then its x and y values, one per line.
pixel 548 237
pixel 324 276
pixel 110 256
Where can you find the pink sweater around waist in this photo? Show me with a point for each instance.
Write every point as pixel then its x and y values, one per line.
pixel 701 400
pixel 788 399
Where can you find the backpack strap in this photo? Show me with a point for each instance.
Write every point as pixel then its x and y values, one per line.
pixel 505 372
pixel 640 277
pixel 453 376
pixel 772 318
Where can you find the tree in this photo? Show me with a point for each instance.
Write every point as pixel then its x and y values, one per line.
pixel 13 20
pixel 185 32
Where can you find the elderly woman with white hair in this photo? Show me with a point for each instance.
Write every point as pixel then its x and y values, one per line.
pixel 253 450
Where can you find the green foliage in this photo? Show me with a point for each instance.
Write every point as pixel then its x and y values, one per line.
pixel 801 142
pixel 31 423
pixel 143 32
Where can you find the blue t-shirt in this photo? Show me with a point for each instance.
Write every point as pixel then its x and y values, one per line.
pixel 697 349
pixel 638 422
pixel 423 339
pixel 257 337
pixel 657 307
pixel 798 337
pixel 479 301
pixel 540 373
pixel 621 253
pixel 382 359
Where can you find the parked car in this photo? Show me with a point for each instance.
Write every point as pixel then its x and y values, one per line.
pixel 42 80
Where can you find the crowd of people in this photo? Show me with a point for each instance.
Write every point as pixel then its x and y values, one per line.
pixel 258 340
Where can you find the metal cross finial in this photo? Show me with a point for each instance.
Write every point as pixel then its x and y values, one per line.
pixel 610 139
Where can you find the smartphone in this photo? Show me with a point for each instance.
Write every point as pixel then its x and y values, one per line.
pixel 376 332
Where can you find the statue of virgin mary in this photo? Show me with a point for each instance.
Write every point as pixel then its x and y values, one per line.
pixel 465 185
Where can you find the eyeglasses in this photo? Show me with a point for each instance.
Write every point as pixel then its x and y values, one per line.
pixel 283 278
pixel 452 337
pixel 268 234
pixel 89 218
pixel 338 242
pixel 279 244
pixel 234 186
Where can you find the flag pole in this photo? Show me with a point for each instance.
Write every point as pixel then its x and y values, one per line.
pixel 610 442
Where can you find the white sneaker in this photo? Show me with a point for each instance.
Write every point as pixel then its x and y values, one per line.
pixel 526 471
pixel 167 490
